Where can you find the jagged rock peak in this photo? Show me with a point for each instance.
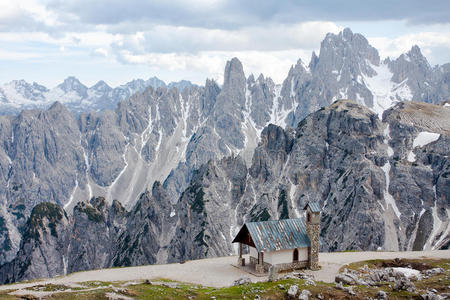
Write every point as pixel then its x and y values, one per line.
pixel 261 78
pixel 101 85
pixel 58 107
pixel 347 33
pixel 416 55
pixel 275 138
pixel 251 79
pixel 71 83
pixel 314 60
pixel 355 45
pixel 210 82
pixel 234 72
pixel 300 66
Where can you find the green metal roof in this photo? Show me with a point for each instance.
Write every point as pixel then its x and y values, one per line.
pixel 314 206
pixel 277 234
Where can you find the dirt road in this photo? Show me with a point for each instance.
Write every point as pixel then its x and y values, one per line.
pixel 219 272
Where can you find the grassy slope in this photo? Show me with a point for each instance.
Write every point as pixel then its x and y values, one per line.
pixel 266 290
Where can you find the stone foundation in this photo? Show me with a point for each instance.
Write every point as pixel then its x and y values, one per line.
pixel 278 267
pixel 259 268
pixel 292 266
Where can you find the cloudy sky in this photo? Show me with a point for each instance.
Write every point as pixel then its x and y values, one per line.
pixel 119 40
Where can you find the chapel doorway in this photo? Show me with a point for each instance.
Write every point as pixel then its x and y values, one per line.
pixel 295 255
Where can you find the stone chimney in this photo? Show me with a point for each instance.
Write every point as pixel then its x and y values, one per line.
pixel 313 232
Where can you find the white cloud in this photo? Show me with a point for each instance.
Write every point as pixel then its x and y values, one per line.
pixel 274 64
pixel 9 9
pixel 163 38
pixel 101 52
pixel 20 56
pixel 425 40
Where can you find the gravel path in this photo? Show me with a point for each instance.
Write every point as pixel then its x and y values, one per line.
pixel 219 272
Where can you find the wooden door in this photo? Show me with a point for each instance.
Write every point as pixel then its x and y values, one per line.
pixel 295 255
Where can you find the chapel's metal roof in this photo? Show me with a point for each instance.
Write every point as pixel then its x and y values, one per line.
pixel 314 206
pixel 278 234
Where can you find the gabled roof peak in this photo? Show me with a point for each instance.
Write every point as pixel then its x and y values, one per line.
pixel 313 206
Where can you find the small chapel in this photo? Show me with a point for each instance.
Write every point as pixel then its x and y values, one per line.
pixel 287 244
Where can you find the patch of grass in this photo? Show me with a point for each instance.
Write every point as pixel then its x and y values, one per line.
pixel 4 295
pixel 94 295
pixel 49 287
pixel 439 282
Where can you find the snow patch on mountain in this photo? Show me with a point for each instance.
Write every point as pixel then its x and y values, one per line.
pixel 387 196
pixel 411 157
pixel 424 138
pixel 436 227
pixel 385 92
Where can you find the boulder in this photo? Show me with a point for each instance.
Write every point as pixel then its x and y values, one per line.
pixel 432 272
pixel 310 282
pixel 241 281
pixel 303 275
pixel 304 295
pixel 404 284
pixel 381 295
pixel 349 289
pixel 292 292
pixel 431 296
pixel 339 286
pixel 346 278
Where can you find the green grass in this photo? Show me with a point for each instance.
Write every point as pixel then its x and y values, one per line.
pixel 4 295
pixel 50 288
pixel 266 290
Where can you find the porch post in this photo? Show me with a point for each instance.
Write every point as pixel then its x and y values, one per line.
pixel 259 268
pixel 240 250
pixel 241 260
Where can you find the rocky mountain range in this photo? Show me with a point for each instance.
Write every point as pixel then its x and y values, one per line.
pixel 18 95
pixel 171 175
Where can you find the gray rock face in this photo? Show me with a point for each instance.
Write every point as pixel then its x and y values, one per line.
pixel 148 230
pixel 96 226
pixel 213 194
pixel 341 156
pixel 57 244
pixel 44 244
